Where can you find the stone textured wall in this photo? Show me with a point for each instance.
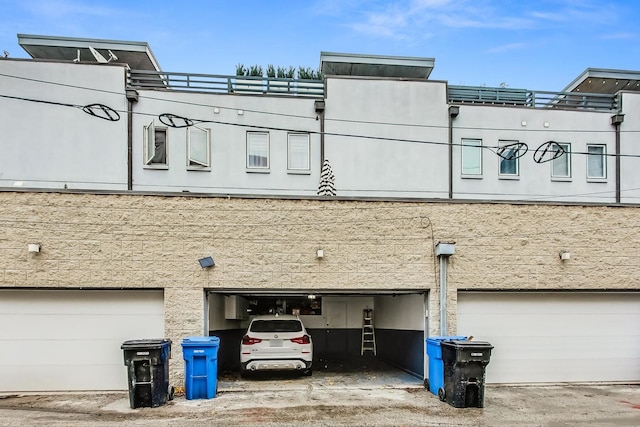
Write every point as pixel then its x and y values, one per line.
pixel 136 241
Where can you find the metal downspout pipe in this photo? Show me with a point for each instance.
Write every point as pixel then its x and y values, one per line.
pixel 444 251
pixel 454 110
pixel 319 107
pixel 132 96
pixel 616 120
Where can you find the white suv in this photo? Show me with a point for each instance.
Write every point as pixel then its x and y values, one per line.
pixel 276 342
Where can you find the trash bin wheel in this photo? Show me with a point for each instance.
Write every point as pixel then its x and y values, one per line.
pixel 441 395
pixel 426 383
pixel 170 392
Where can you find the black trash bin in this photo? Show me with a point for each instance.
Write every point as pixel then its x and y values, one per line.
pixel 464 372
pixel 147 364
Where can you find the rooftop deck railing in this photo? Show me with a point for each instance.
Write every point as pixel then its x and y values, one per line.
pixel 530 98
pixel 478 95
pixel 225 84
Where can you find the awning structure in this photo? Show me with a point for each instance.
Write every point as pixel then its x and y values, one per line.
pixel 601 80
pixel 137 55
pixel 346 64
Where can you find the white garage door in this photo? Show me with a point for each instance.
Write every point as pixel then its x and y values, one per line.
pixel 555 337
pixel 70 340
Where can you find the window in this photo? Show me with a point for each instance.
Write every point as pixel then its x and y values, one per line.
pixel 298 306
pixel 471 157
pixel 509 162
pixel 198 148
pixel 298 152
pixel 596 165
pixel 561 166
pixel 258 150
pixel 155 146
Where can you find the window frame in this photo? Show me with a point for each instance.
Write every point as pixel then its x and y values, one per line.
pixel 470 148
pixel 567 156
pixel 603 157
pixel 501 175
pixel 198 166
pixel 147 160
pixel 253 168
pixel 299 170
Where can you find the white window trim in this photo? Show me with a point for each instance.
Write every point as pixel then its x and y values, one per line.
pixel 150 129
pixel 511 176
pixel 563 178
pixel 299 171
pixel 259 169
pixel 604 164
pixel 467 175
pixel 206 167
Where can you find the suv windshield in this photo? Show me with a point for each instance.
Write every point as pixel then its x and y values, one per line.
pixel 276 326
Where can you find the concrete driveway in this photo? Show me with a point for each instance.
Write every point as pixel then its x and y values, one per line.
pixel 334 398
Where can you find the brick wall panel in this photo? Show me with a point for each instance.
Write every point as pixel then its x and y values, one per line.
pixel 136 241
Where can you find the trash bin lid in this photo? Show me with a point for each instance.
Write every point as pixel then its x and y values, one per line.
pixel 145 343
pixel 460 344
pixel 200 341
pixel 438 339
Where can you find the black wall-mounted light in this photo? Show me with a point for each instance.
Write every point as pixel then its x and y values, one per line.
pixel 206 262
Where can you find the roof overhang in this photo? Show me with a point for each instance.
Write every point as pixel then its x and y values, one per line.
pixel 137 55
pixel 601 80
pixel 345 64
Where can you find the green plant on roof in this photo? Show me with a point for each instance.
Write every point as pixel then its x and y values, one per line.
pixel 255 71
pixel 271 71
pixel 285 73
pixel 308 73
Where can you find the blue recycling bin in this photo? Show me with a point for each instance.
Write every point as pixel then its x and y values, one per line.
pixel 436 366
pixel 200 356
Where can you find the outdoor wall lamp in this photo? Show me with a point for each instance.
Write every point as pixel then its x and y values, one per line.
pixel 33 248
pixel 320 253
pixel 206 262
pixel 565 255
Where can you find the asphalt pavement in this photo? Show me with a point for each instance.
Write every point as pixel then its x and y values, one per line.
pixel 334 397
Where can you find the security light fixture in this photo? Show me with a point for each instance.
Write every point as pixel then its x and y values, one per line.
pixel 565 255
pixel 33 248
pixel 320 253
pixel 206 262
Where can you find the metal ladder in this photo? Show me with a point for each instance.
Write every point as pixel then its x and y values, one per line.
pixel 368 332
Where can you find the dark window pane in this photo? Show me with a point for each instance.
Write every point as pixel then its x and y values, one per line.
pixel 276 326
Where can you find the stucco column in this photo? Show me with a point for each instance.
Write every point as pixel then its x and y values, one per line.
pixel 184 313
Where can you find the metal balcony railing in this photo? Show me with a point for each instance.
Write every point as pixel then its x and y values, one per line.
pixel 481 95
pixel 140 79
pixel 533 99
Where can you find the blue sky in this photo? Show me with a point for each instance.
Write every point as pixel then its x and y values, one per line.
pixel 538 45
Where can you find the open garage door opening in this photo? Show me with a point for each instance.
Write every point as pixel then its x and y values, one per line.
pixel 337 325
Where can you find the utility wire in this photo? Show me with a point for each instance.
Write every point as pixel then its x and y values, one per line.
pixel 309 117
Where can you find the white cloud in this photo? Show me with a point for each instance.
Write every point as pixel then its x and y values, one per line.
pixel 509 47
pixel 69 8
pixel 408 18
pixel 620 36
